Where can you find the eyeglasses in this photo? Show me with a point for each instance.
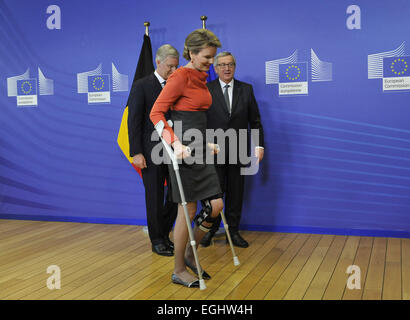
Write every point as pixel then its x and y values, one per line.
pixel 224 65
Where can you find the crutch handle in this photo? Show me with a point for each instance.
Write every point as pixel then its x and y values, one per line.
pixel 159 127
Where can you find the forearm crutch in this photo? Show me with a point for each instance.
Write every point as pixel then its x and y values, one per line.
pixel 160 127
pixel 235 258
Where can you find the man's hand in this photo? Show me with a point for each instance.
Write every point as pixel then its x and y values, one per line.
pixel 259 152
pixel 214 148
pixel 139 161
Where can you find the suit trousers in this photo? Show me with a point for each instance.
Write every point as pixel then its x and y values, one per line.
pixel 161 213
pixel 232 184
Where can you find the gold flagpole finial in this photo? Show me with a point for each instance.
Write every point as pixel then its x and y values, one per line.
pixel 203 18
pixel 146 24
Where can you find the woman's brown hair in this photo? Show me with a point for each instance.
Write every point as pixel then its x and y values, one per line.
pixel 199 39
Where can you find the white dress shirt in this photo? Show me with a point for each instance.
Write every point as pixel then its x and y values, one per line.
pixel 160 79
pixel 230 91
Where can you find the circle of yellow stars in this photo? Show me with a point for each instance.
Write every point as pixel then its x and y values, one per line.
pixel 23 87
pixel 292 69
pixel 393 66
pixel 94 83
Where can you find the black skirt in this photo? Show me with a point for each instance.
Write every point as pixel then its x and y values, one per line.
pixel 199 180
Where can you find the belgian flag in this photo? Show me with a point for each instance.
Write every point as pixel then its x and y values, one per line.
pixel 145 67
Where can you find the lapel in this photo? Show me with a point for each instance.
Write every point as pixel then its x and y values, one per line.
pixel 235 95
pixel 220 96
pixel 155 85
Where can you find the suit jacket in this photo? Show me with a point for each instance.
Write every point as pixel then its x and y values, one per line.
pixel 144 92
pixel 244 114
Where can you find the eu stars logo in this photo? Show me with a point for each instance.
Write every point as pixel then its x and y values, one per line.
pixel 27 92
pixel 293 79
pixel 99 89
pixel 292 72
pixel 26 87
pixel 399 66
pixel 98 83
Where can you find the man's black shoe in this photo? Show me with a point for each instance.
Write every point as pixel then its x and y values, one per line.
pixel 162 250
pixel 238 241
pixel 169 244
pixel 206 240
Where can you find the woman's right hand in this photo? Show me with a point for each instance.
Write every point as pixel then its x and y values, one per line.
pixel 181 151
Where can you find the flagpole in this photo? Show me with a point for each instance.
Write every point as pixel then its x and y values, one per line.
pixel 226 226
pixel 146 24
pixel 204 18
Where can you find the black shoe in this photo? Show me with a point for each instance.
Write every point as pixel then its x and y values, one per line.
pixel 205 275
pixel 169 244
pixel 206 240
pixel 238 241
pixel 175 279
pixel 162 250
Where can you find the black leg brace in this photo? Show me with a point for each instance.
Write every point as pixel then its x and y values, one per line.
pixel 205 216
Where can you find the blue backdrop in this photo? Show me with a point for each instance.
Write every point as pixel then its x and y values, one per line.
pixel 337 157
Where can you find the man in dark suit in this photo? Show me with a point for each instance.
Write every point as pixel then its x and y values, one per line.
pixel 160 216
pixel 234 107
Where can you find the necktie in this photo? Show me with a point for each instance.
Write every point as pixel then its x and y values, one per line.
pixel 226 96
pixel 163 83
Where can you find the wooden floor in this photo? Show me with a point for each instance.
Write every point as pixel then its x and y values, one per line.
pixel 115 262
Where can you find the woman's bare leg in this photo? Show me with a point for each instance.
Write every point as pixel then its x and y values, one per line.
pixel 181 237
